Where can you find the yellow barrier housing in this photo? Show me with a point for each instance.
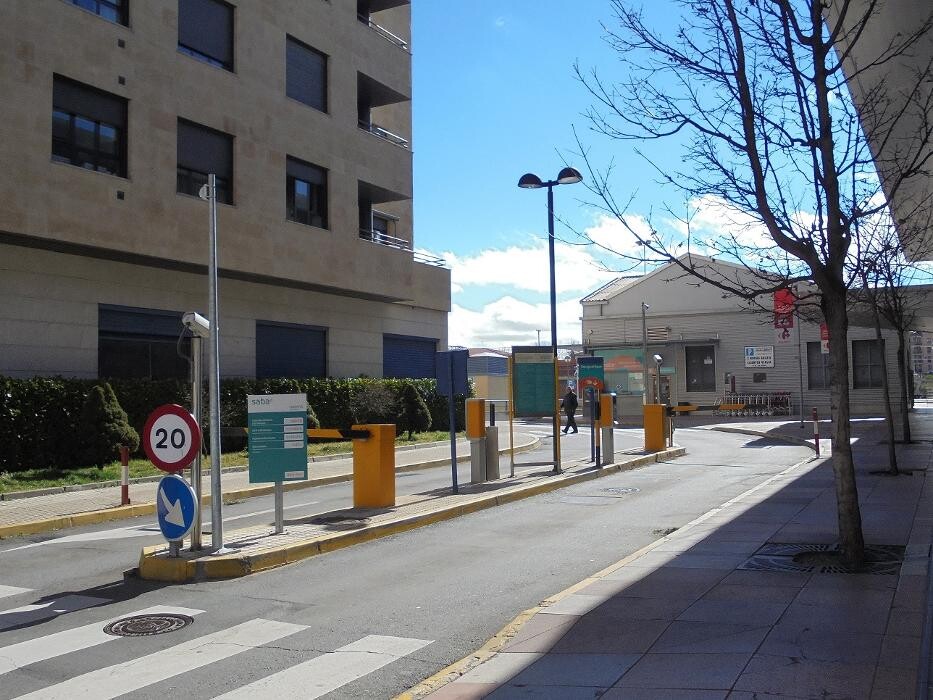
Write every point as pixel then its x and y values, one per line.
pixel 476 418
pixel 605 411
pixel 374 467
pixel 655 434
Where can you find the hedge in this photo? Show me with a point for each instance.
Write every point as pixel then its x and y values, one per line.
pixel 39 416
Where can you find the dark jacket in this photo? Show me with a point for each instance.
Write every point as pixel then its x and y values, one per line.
pixel 569 403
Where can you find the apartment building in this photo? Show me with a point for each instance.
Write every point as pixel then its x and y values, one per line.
pixel 113 114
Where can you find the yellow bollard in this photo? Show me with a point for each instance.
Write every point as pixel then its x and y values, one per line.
pixel 605 411
pixel 655 435
pixel 476 418
pixel 374 467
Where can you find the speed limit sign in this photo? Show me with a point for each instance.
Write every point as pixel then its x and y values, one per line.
pixel 171 437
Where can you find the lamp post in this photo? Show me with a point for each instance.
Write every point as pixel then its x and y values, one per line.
pixel 529 181
pixel 644 352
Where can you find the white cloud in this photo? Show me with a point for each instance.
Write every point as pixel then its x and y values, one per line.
pixel 499 22
pixel 510 321
pixel 527 268
pixel 610 233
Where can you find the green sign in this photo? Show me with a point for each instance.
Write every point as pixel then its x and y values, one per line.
pixel 533 381
pixel 278 438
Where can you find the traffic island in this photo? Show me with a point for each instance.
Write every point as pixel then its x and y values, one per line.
pixel 257 549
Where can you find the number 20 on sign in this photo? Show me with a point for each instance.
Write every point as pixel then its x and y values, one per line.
pixel 171 438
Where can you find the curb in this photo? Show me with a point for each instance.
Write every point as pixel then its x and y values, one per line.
pixel 94 517
pixel 154 564
pixel 492 647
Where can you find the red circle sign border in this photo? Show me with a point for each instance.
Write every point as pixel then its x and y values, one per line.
pixel 181 412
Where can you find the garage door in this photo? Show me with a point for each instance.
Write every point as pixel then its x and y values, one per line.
pixel 406 356
pixel 288 350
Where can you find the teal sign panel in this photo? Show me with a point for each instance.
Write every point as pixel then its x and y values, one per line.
pixel 533 381
pixel 278 438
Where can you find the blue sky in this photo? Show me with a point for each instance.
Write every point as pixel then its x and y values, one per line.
pixel 495 97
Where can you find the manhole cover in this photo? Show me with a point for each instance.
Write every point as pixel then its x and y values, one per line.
pixel 620 490
pixel 147 625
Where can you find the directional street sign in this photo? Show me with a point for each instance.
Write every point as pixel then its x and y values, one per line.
pixel 176 507
pixel 171 437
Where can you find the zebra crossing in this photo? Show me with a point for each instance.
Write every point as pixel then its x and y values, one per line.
pixel 38 655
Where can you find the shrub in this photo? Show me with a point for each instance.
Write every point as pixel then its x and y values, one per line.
pixel 413 414
pixel 103 427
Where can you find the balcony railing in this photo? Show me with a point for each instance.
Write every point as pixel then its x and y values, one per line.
pixel 380 238
pixel 377 130
pixel 383 32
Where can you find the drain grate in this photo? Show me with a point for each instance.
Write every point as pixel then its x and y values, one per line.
pixel 147 625
pixel 881 559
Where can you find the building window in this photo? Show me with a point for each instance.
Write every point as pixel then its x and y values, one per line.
pixel 88 127
pixel 867 363
pixel 305 193
pixel 701 368
pixel 819 367
pixel 290 350
pixel 141 343
pixel 205 31
pixel 202 151
pixel 113 10
pixel 305 74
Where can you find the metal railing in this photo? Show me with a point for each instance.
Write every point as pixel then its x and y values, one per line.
pixel 383 32
pixel 377 130
pixel 380 238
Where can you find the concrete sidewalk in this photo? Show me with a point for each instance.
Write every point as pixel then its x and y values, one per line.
pixel 47 512
pixel 694 616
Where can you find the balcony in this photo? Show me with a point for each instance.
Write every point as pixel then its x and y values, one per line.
pixel 365 10
pixel 381 238
pixel 377 130
pixel 374 99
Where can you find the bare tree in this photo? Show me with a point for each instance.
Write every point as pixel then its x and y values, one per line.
pixel 757 94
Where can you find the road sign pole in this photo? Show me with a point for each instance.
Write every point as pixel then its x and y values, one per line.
pixel 196 410
pixel 453 422
pixel 217 523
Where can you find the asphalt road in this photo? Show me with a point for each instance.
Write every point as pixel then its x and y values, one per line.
pixel 422 599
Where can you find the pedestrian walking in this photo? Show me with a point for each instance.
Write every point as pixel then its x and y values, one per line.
pixel 569 403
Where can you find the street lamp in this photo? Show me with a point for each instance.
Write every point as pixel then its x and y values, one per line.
pixel 644 352
pixel 529 181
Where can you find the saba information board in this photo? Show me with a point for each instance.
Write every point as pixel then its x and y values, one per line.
pixel 278 438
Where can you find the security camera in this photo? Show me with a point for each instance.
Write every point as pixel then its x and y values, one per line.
pixel 658 359
pixel 197 324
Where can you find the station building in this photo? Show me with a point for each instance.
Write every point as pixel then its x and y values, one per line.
pixel 115 112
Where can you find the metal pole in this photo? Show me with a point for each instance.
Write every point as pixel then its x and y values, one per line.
pixel 196 410
pixel 644 351
pixel 279 508
pixel 816 432
pixel 799 363
pixel 452 412
pixel 555 423
pixel 217 525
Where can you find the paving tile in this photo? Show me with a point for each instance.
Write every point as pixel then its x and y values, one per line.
pixel 685 671
pixel 892 683
pixel 540 633
pixel 658 577
pixel 815 594
pixel 574 604
pixel 838 618
pixel 780 675
pixel 683 637
pixel 905 623
pixel 773 594
pixel 463 691
pixel 818 645
pixel 739 612
pixel 546 692
pixel 768 578
pixel 597 633
pixel 580 670
pixel 858 582
pixel 898 651
pixel 627 608
pixel 662 694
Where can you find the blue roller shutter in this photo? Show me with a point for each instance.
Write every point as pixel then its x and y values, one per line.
pixel 408 357
pixel 289 350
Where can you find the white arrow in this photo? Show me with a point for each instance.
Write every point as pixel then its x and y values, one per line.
pixel 174 515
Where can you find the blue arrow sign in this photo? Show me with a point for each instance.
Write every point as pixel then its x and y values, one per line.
pixel 176 507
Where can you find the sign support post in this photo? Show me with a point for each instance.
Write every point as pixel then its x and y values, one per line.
pixel 279 508
pixel 196 410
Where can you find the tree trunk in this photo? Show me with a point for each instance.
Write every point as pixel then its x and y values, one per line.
pixel 902 371
pixel 849 516
pixel 886 388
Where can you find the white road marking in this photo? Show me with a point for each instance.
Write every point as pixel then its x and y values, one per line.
pixel 33 651
pixel 6 591
pixel 133 531
pixel 116 680
pixel 327 672
pixel 44 611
